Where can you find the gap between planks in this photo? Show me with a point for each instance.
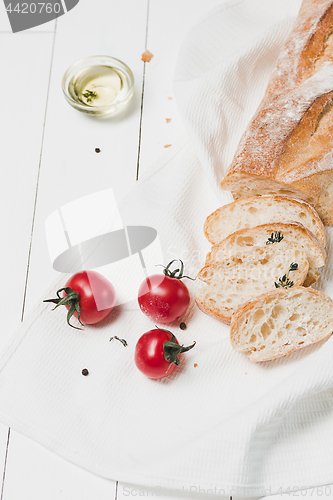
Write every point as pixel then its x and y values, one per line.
pixel 38 173
pixel 142 95
pixel 5 463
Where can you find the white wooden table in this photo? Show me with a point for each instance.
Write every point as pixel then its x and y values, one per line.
pixel 48 158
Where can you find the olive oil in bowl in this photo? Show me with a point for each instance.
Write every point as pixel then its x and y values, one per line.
pixel 98 85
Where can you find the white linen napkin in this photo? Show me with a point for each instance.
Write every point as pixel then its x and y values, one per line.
pixel 220 424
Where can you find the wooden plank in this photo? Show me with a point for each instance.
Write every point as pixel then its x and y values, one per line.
pixel 169 23
pixel 21 133
pixel 33 472
pixel 22 121
pixel 4 446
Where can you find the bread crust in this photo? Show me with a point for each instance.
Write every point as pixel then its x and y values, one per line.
pixel 211 312
pixel 287 145
pixel 306 48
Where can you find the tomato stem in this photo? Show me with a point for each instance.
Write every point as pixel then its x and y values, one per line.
pixel 172 349
pixel 71 299
pixel 177 273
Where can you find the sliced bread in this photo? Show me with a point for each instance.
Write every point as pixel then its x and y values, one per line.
pixel 280 322
pixel 240 278
pixel 257 210
pixel 266 234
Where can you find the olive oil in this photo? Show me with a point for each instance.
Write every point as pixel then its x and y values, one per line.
pixel 98 86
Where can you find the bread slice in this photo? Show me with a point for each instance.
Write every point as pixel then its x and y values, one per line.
pixel 280 322
pixel 240 278
pixel 257 210
pixel 261 235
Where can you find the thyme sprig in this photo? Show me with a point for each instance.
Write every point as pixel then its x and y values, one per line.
pixel 285 282
pixel 275 238
pixel 123 341
pixel 90 95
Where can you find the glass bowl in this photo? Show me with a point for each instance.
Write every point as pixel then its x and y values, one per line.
pixel 98 85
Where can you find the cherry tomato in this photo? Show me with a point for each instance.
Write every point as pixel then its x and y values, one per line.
pixel 88 296
pixel 164 298
pixel 157 353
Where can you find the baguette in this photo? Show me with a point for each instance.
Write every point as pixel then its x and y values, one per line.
pixel 308 48
pixel 256 236
pixel 240 278
pixel 280 322
pixel 255 211
pixel 287 147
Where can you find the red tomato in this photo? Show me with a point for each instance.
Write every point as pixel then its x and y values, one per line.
pixel 157 353
pixel 88 296
pixel 164 298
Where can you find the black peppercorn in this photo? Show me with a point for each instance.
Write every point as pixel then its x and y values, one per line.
pixel 182 326
pixel 85 372
pixel 97 150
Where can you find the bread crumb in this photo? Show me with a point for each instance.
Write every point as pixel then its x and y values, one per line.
pixel 168 120
pixel 245 373
pixel 195 365
pixel 146 56
pixel 167 145
pixel 170 98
